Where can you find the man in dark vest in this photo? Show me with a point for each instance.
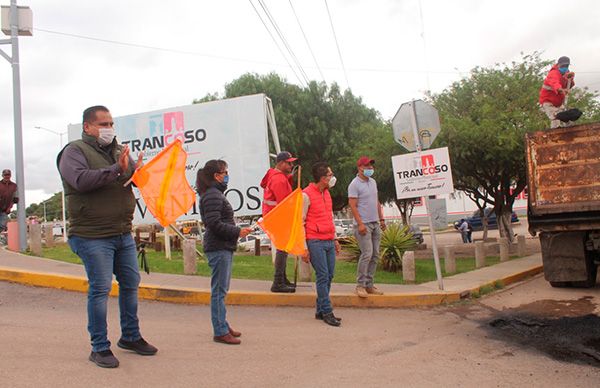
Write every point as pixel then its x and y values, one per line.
pixel 8 197
pixel 94 171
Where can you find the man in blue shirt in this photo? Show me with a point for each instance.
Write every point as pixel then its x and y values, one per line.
pixel 368 224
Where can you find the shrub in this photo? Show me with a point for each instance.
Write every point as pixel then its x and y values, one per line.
pixel 395 240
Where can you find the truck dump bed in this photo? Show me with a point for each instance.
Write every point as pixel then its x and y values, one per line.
pixel 563 170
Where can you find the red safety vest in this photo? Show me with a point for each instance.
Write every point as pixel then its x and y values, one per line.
pixel 319 218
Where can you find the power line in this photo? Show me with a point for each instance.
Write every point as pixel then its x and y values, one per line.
pixel 235 59
pixel 275 41
pixel 337 45
pixel 307 43
pixel 129 44
pixel 284 40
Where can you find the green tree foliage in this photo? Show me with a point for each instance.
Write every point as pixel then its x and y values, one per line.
pixel 484 121
pixel 316 123
pixel 53 208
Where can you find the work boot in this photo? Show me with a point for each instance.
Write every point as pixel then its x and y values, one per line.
pixel 281 287
pixel 104 359
pixel 320 316
pixel 361 292
pixel 329 319
pixel 373 291
pixel 227 339
pixel 234 333
pixel 288 283
pixel 140 347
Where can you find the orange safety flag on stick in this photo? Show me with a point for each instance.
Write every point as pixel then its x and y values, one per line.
pixel 284 224
pixel 163 184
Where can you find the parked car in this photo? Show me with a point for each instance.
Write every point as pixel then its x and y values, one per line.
pixel 343 227
pixel 477 224
pixel 247 243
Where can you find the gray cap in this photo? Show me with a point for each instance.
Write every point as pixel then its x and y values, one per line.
pixel 564 61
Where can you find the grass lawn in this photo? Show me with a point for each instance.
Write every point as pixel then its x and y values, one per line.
pixel 261 268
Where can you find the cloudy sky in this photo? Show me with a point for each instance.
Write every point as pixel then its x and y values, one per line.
pixel 136 56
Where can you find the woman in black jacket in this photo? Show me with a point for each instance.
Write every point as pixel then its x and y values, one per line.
pixel 220 241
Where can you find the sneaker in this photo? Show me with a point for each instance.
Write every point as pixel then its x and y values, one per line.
pixel 104 359
pixel 320 316
pixel 361 292
pixel 140 347
pixel 330 320
pixel 373 291
pixel 227 339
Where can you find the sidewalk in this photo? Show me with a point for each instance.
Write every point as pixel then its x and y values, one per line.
pixel 19 268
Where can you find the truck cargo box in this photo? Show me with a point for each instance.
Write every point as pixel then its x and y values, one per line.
pixel 563 169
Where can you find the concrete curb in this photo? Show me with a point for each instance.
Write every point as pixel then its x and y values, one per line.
pixel 302 299
pixel 505 281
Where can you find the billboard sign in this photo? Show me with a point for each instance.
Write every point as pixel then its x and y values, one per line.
pixel 234 130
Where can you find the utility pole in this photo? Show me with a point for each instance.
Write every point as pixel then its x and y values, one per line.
pixel 14 61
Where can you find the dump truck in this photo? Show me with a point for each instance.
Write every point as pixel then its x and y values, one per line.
pixel 563 178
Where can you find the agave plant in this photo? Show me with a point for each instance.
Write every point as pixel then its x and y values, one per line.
pixel 395 241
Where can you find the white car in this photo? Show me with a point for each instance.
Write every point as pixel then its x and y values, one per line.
pixel 247 243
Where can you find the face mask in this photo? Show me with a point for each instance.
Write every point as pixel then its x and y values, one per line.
pixel 226 179
pixel 332 181
pixel 563 70
pixel 368 171
pixel 106 136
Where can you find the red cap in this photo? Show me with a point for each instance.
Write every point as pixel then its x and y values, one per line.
pixel 363 161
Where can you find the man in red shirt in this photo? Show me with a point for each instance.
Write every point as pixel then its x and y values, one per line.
pixel 557 85
pixel 8 197
pixel 277 184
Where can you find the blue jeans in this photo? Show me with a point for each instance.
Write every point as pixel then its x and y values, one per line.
pixel 322 258
pixel 220 263
pixel 102 257
pixel 3 221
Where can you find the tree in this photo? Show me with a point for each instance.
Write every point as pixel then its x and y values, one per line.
pixel 53 208
pixel 316 123
pixel 484 121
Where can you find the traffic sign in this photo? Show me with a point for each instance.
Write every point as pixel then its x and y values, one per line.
pixel 428 124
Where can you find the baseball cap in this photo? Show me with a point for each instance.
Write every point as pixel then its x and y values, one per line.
pixel 564 61
pixel 285 156
pixel 363 161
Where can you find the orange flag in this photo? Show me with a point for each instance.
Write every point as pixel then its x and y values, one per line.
pixel 284 224
pixel 163 184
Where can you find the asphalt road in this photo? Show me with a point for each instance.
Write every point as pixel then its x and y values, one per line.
pixel 511 338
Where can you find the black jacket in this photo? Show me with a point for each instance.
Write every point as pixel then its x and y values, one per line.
pixel 217 215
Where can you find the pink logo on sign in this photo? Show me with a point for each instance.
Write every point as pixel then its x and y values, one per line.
pixel 173 127
pixel 427 160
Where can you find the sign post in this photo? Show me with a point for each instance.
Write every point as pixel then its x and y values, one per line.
pixel 421 174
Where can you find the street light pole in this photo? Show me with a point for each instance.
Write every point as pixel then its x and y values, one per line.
pixel 64 218
pixel 14 61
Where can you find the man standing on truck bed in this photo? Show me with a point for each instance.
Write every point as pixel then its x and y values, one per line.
pixel 557 84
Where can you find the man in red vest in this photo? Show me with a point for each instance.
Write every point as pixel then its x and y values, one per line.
pixel 556 86
pixel 277 184
pixel 320 237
